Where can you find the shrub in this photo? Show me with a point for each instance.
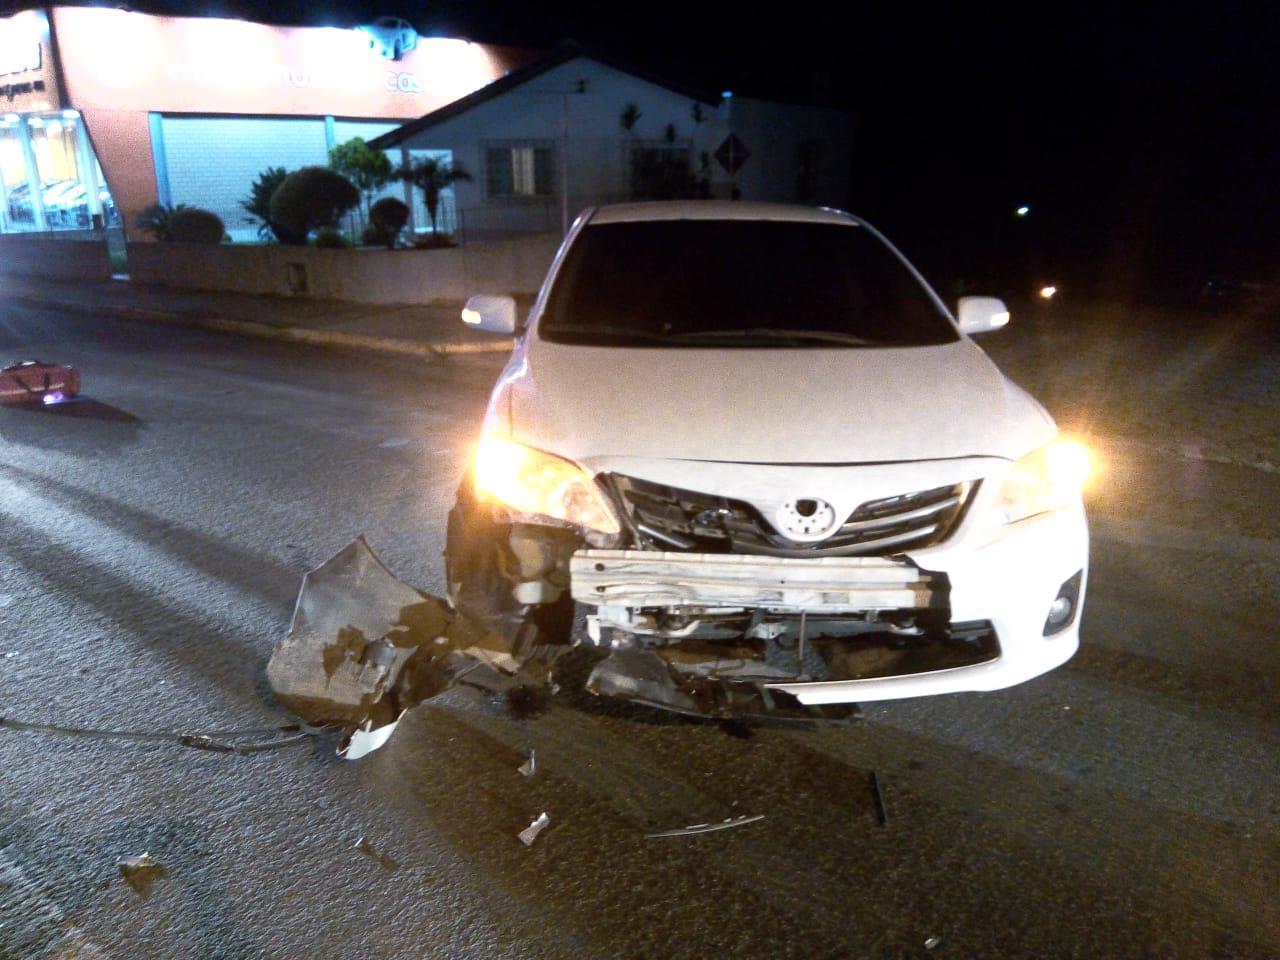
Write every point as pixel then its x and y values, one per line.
pixel 258 204
pixel 310 199
pixel 331 239
pixel 367 169
pixel 388 217
pixel 193 225
pixel 433 176
pixel 156 219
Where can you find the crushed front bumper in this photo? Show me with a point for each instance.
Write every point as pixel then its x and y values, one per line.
pixel 641 578
pixel 1006 578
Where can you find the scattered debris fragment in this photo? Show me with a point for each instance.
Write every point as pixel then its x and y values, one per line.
pixel 368 849
pixel 140 872
pixel 881 812
pixel 530 833
pixel 882 815
pixel 530 766
pixel 932 942
pixel 367 738
pixel 726 824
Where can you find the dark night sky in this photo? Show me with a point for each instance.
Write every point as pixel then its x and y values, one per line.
pixel 1133 130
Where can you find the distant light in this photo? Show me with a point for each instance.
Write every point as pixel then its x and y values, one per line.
pixel 1023 210
pixel 727 94
pixel 1047 293
pixel 71 114
pixel 35 121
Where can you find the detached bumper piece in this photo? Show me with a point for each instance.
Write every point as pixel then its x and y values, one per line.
pixel 364 647
pixel 643 578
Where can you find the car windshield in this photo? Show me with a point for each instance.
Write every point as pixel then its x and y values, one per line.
pixel 754 283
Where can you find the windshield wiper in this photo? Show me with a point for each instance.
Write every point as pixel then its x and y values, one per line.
pixel 776 333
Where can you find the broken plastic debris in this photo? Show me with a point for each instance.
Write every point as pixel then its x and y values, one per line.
pixel 726 824
pixel 529 767
pixel 364 647
pixel 140 872
pixel 530 833
pixel 367 848
pixel 932 942
pixel 367 739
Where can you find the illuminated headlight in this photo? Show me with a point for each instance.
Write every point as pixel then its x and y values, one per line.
pixel 533 482
pixel 1047 479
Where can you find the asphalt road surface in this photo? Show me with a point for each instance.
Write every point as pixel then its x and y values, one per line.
pixel 152 538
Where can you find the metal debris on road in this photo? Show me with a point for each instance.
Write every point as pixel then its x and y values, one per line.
pixel 529 767
pixel 530 833
pixel 882 815
pixel 368 849
pixel 140 872
pixel 696 828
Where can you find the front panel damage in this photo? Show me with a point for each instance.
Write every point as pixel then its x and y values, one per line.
pixel 364 647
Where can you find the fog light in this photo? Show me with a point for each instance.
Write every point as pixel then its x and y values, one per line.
pixel 1063 609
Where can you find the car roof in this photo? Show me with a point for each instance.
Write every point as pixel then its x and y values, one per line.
pixel 717 210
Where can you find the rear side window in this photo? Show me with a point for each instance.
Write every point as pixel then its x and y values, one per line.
pixel 689 283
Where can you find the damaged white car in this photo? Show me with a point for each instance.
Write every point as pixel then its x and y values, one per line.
pixel 753 447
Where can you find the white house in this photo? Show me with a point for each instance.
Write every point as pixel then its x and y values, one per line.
pixel 626 136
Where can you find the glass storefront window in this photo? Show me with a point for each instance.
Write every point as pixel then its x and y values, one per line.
pixel 51 179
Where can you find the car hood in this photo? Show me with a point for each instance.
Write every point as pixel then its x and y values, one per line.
pixel 840 405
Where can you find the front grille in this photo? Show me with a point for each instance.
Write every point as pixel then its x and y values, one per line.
pixel 668 518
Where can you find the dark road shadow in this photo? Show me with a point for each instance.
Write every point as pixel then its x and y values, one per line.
pixel 80 425
pixel 83 408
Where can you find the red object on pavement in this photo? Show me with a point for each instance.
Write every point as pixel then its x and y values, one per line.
pixel 34 382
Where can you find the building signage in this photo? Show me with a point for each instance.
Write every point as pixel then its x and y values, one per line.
pixel 12 90
pixel 18 54
pixel 279 75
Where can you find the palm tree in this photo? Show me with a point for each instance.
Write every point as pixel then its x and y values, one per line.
pixel 432 175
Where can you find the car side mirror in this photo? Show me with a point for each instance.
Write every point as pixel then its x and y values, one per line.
pixel 491 312
pixel 981 314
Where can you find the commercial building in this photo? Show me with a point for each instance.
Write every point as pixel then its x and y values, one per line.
pixel 104 112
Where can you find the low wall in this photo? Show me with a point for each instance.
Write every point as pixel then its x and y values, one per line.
pixel 78 255
pixel 357 275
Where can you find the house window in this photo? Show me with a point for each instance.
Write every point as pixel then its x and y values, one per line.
pixel 519 170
